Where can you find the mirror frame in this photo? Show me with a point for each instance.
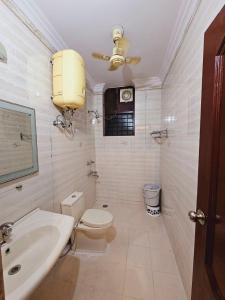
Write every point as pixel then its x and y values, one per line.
pixel 35 168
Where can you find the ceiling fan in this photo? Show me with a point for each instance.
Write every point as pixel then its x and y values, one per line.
pixel 118 57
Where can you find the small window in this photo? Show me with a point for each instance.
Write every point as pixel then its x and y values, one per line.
pixel 119 111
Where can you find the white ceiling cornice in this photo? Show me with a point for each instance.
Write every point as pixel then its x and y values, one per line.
pixel 90 82
pixel 140 84
pixel 31 15
pixel 33 18
pixel 182 24
pixel 99 88
pixel 147 83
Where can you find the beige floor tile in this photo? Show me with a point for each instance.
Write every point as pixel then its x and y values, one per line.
pixel 139 284
pixel 51 289
pixel 100 295
pixel 168 287
pixel 117 236
pixel 130 298
pixel 83 292
pixel 114 254
pixel 139 237
pixel 121 225
pixel 89 274
pixel 102 276
pixel 110 278
pixel 159 240
pixel 124 212
pixel 139 220
pixel 139 257
pixel 119 211
pixel 67 269
pixel 163 260
pixel 156 225
pixel 138 245
pixel 104 272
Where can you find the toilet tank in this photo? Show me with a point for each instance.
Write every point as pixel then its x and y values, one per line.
pixel 68 79
pixel 74 205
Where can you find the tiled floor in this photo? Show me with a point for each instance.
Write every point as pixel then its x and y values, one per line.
pixel 138 265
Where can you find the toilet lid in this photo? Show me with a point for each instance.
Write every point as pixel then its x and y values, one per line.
pixel 97 218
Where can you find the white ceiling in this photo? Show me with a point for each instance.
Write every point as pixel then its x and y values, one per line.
pixel 86 27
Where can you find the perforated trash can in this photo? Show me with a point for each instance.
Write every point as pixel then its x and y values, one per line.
pixel 152 198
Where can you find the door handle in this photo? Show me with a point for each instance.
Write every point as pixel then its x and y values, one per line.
pixel 198 216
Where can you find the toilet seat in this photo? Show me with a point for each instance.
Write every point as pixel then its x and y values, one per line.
pixel 96 218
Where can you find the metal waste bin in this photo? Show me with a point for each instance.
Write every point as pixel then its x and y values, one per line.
pixel 152 198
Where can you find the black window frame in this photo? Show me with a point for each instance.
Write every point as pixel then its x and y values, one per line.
pixel 115 112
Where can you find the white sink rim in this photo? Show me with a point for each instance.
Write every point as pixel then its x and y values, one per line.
pixel 31 222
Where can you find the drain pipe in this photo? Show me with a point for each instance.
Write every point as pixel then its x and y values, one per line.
pixel 70 243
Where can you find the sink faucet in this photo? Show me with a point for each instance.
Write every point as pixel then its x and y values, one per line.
pixel 5 231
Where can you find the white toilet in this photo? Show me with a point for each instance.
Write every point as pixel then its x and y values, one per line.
pixel 91 224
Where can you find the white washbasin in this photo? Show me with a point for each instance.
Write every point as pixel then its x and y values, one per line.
pixel 36 242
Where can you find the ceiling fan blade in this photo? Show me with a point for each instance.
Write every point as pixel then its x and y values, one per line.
pixel 123 44
pixel 101 56
pixel 133 60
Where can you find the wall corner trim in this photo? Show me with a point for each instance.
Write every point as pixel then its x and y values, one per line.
pixel 147 83
pixel 99 88
pixel 34 19
pixel 185 17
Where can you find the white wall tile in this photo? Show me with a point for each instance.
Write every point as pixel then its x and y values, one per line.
pixel 181 96
pixel 125 164
pixel 27 79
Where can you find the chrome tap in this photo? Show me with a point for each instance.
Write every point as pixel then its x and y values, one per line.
pixel 94 174
pixel 90 162
pixel 5 231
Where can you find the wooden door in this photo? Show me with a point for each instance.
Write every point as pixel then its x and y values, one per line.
pixel 2 297
pixel 209 259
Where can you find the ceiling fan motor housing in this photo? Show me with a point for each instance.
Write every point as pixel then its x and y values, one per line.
pixel 117 60
pixel 120 48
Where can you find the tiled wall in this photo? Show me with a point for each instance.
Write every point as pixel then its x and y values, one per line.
pixel 181 97
pixel 26 79
pixel 125 164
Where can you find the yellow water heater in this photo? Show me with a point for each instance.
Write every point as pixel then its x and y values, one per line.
pixel 68 79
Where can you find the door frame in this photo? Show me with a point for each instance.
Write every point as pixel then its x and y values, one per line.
pixel 2 294
pixel 208 158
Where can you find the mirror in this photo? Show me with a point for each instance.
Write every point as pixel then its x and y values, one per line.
pixel 18 141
